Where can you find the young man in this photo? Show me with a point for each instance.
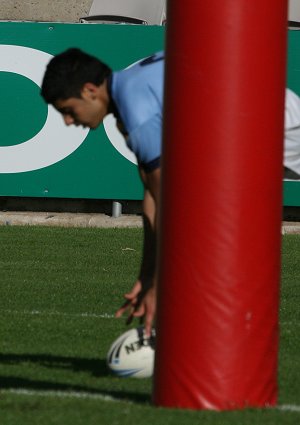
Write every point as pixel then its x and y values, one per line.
pixel 84 90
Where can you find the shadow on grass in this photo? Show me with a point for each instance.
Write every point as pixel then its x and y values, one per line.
pixel 96 367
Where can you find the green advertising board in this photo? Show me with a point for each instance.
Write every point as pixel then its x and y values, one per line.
pixel 39 155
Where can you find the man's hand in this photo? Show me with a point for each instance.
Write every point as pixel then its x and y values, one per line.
pixel 140 302
pixel 146 309
pixel 131 301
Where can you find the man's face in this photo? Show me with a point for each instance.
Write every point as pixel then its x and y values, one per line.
pixel 89 110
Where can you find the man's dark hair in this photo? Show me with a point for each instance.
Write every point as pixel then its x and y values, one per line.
pixel 67 73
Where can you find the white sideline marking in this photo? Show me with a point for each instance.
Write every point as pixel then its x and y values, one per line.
pixel 104 397
pixel 289 408
pixel 63 394
pixel 57 313
pixel 88 315
pixel 290 323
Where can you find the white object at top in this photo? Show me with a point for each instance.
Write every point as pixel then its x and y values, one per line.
pixel 294 10
pixel 150 12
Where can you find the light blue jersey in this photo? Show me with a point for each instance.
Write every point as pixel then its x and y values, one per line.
pixel 137 92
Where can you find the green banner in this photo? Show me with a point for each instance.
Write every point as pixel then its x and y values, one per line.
pixel 39 155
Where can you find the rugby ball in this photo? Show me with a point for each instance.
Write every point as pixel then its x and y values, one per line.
pixel 132 354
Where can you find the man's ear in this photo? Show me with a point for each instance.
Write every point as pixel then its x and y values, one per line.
pixel 89 90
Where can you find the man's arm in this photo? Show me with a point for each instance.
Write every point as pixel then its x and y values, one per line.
pixel 149 247
pixel 141 300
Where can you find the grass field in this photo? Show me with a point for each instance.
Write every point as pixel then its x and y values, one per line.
pixel 59 289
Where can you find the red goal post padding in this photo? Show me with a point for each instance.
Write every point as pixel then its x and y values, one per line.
pixel 217 320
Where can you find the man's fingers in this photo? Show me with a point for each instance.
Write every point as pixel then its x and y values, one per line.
pixel 148 324
pixel 140 311
pixel 130 302
pixel 134 291
pixel 129 319
pixel 130 296
pixel 123 308
pixel 139 305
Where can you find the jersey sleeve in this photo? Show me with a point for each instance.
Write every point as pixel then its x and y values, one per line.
pixel 145 142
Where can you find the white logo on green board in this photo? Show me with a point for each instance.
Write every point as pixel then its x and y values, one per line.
pixel 117 139
pixel 55 141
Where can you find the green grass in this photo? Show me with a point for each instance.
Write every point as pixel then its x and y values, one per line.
pixel 58 291
pixel 290 321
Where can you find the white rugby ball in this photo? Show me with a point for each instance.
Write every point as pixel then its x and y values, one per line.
pixel 132 354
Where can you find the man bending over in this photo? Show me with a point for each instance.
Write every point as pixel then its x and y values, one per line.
pixel 84 90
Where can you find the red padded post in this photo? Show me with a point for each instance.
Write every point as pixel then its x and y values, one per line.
pixel 217 320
